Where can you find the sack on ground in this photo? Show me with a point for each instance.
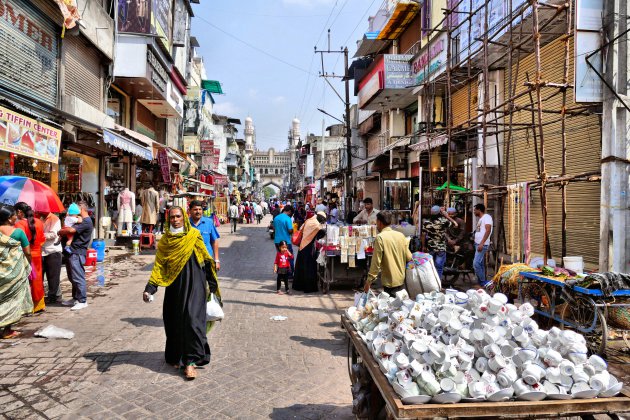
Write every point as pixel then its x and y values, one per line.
pixel 214 312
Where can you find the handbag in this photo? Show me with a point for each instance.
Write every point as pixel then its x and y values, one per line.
pixel 214 312
pixel 296 238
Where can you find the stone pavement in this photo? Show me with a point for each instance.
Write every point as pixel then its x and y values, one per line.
pixel 114 366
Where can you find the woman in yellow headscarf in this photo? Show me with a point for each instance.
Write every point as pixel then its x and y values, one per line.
pixel 184 267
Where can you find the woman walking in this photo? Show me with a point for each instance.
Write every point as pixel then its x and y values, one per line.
pixel 305 278
pixel 34 230
pixel 15 267
pixel 184 267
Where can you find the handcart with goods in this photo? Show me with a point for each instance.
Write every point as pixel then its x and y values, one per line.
pixel 383 398
pixel 345 255
pixel 585 310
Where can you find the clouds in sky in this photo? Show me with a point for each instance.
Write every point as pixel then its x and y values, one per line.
pixel 228 109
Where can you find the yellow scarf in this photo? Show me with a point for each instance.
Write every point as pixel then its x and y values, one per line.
pixel 174 251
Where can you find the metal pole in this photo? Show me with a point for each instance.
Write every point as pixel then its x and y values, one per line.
pixel 349 183
pixel 322 163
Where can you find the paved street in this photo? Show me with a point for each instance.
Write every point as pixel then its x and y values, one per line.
pixel 114 366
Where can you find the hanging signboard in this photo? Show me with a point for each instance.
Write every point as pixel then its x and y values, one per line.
pixel 28 137
pixel 165 165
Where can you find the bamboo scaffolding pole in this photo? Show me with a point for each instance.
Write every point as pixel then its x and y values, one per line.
pixel 565 80
pixel 543 168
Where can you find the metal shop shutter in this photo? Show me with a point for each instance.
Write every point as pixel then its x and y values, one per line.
pixel 83 71
pixel 583 154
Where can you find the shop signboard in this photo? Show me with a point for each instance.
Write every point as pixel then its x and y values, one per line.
pixel 28 137
pixel 207 163
pixel 145 17
pixel 397 71
pixel 430 59
pixel 165 165
pixel 588 40
pixel 191 116
pixel 207 147
pixel 180 22
pixel 28 62
pixel 156 72
pixel 161 18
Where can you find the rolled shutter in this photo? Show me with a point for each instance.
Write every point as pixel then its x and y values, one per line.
pixel 83 71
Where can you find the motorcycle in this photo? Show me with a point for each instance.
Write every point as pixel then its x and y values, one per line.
pixel 271 230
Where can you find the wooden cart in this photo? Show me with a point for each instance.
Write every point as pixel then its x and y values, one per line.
pixel 395 409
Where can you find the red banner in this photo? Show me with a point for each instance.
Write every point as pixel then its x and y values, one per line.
pixel 207 146
pixel 165 165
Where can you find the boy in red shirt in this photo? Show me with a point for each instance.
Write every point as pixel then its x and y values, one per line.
pixel 282 266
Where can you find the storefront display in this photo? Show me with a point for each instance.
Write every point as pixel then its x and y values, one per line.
pixel 79 180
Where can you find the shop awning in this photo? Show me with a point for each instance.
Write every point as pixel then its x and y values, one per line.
pixel 452 187
pixel 203 185
pixel 131 145
pixel 364 162
pixel 425 144
pixel 212 86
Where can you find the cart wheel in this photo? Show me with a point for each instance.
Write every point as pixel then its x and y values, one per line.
pixel 587 319
pixel 538 296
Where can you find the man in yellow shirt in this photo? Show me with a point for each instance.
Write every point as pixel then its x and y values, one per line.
pixel 391 253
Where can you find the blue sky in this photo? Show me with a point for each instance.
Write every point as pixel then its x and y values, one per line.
pixel 275 90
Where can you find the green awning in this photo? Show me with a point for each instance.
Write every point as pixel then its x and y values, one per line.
pixel 212 86
pixel 452 186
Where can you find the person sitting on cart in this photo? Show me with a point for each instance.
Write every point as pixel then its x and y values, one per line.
pixel 458 240
pixel 367 216
pixel 390 256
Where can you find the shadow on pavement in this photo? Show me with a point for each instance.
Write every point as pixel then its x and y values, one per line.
pixel 312 411
pixel 336 345
pixel 150 360
pixel 144 322
pixel 271 305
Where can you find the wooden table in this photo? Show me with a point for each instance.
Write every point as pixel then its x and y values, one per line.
pixel 510 409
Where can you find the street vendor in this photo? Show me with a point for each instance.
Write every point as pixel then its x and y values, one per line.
pixel 367 215
pixel 390 257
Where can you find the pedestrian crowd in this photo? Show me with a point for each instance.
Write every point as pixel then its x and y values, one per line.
pixel 33 247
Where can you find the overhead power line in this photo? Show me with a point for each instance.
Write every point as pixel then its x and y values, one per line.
pixel 254 47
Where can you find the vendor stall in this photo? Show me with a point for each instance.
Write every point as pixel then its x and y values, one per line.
pixel 455 354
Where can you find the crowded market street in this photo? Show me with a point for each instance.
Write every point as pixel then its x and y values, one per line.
pixel 114 366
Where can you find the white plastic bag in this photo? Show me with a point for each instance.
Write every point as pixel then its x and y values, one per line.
pixel 214 311
pixel 422 279
pixel 50 331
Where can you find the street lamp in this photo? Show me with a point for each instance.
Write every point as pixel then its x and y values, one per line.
pixel 331 116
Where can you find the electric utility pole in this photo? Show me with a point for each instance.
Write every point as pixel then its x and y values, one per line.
pixel 349 187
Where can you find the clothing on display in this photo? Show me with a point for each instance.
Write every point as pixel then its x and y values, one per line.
pixel 150 200
pixel 126 206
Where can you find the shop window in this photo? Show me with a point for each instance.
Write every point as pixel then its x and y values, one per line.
pixel 116 106
pixel 397 195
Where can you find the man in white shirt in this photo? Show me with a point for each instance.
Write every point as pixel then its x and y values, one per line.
pixel 258 211
pixel 483 232
pixel 367 215
pixel 233 214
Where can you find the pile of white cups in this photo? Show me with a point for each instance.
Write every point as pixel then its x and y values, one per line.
pixel 455 346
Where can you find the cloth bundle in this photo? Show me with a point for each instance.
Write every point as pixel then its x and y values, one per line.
pixel 421 276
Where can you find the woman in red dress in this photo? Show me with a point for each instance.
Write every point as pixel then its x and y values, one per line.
pixel 34 230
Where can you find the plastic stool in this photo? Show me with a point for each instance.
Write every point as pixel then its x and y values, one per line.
pixel 147 240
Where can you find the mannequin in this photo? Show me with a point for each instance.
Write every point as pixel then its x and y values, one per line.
pixel 150 200
pixel 126 207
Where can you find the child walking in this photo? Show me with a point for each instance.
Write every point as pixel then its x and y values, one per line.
pixel 282 267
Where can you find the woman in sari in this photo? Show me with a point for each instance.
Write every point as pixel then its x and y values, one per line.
pixel 33 227
pixel 15 267
pixel 305 278
pixel 184 267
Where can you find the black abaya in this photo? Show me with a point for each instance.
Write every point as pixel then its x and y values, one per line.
pixel 184 314
pixel 305 278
